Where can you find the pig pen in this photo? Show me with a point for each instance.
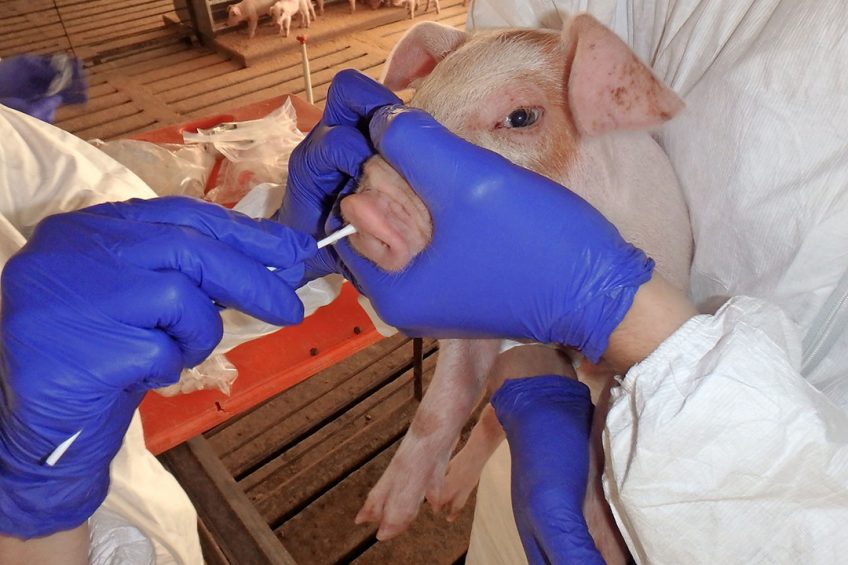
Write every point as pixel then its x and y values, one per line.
pixel 287 477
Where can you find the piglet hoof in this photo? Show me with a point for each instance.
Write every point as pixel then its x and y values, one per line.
pixel 462 477
pixel 387 506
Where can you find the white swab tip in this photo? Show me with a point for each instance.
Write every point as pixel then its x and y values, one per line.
pixel 335 236
pixel 60 450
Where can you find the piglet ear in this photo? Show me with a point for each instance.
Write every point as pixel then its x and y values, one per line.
pixel 609 88
pixel 417 52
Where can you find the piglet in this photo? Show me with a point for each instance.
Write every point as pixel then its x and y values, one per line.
pixel 283 11
pixel 575 106
pixel 412 6
pixel 249 11
pixel 281 14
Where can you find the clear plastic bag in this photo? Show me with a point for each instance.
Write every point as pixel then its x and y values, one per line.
pixel 216 372
pixel 166 168
pixel 255 152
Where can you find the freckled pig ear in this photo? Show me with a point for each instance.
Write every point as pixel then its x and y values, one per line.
pixel 609 88
pixel 417 52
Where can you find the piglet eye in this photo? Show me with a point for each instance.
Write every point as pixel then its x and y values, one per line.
pixel 521 118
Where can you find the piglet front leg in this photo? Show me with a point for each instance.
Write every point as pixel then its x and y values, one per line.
pixel 418 468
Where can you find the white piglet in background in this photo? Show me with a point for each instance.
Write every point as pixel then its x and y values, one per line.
pixel 283 11
pixel 248 11
pixel 412 6
pixel 575 106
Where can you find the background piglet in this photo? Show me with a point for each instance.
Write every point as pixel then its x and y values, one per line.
pixel 573 106
pixel 281 14
pixel 248 11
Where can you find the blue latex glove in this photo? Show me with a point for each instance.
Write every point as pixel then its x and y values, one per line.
pixel 38 84
pixel 328 160
pixel 547 421
pixel 103 304
pixel 513 253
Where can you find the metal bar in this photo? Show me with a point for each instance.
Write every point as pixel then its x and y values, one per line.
pixel 418 367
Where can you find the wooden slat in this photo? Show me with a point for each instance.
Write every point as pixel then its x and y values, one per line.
pixel 112 12
pixel 119 128
pixel 320 82
pixel 103 117
pixel 157 76
pixel 446 541
pixel 250 79
pixel 334 451
pixel 324 532
pixel 157 57
pixel 212 552
pixel 239 531
pixel 278 422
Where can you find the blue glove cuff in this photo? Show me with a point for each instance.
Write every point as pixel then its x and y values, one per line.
pixel 606 309
pixel 547 421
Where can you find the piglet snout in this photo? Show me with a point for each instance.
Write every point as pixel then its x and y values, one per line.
pixel 393 224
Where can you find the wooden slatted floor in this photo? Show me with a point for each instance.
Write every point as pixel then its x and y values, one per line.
pixel 164 78
pixel 293 472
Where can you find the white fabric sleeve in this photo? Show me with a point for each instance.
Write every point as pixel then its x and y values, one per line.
pixel 47 170
pixel 717 432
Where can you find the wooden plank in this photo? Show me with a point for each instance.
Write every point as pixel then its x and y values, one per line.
pixel 95 104
pixel 194 75
pixel 11 8
pixel 237 430
pixel 131 32
pixel 261 434
pixel 178 65
pixel 254 78
pixel 324 532
pixel 240 532
pixel 103 117
pixel 25 33
pixel 110 12
pixel 431 540
pixel 283 486
pixel 44 47
pixel 102 50
pixel 118 128
pixel 212 552
pixel 320 82
pixel 154 57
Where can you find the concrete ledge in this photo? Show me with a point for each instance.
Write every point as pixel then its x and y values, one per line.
pixel 336 22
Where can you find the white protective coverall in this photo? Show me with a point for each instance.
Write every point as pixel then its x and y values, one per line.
pixel 729 444
pixel 46 171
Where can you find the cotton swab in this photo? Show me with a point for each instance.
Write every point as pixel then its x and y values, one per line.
pixel 335 236
pixel 331 239
pixel 60 450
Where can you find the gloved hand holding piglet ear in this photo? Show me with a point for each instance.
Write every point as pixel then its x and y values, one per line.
pixel 329 160
pixel 512 253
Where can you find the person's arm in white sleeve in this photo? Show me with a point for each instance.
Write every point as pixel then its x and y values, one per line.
pixel 47 170
pixel 717 432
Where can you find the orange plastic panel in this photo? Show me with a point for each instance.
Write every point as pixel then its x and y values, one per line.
pixel 270 364
pixel 266 366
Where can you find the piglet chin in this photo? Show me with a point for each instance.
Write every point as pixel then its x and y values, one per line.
pixel 378 238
